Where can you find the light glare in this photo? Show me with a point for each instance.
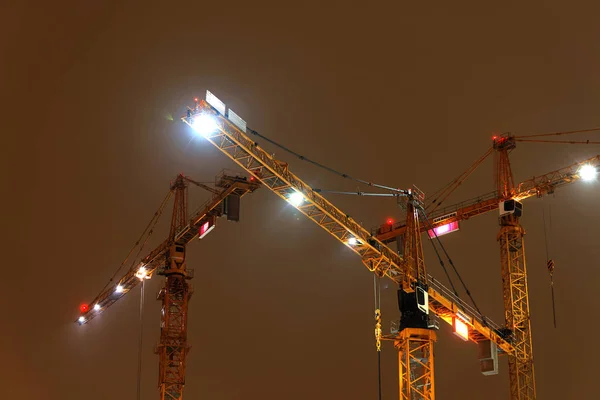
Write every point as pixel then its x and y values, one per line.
pixel 81 320
pixel 352 241
pixel 96 307
pixel 296 199
pixel 119 289
pixel 588 172
pixel 204 124
pixel 142 273
pixel 443 229
pixel 461 329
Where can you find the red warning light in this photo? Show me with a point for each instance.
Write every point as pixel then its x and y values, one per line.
pixel 84 308
pixel 390 221
pixel 494 137
pixel 196 99
pixel 252 179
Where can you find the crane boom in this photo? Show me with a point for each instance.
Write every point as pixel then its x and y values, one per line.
pixel 536 186
pixel 156 257
pixel 227 134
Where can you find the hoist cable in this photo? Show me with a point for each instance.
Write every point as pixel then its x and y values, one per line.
pixel 149 226
pixel 545 234
pixel 442 194
pixel 357 193
pixel 440 259
pixel 559 133
pixel 549 262
pixel 379 373
pixel 333 171
pixel 139 370
pixel 377 296
pixel 452 264
pixel 557 141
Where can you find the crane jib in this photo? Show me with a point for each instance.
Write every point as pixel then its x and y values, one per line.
pixel 376 255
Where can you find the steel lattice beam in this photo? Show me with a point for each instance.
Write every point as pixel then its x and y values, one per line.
pixel 173 347
pixel 415 364
pixel 516 307
pixel 376 256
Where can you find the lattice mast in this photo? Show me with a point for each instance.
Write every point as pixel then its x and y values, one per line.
pixel 514 275
pixel 416 337
pixel 172 348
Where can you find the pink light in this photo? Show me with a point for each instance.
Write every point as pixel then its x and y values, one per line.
pixel 205 228
pixel 443 229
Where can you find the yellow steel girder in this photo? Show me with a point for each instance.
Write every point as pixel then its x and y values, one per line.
pixel 378 257
pixel 415 364
pixel 516 306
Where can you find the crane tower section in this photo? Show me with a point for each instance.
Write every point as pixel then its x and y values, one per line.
pixel 514 276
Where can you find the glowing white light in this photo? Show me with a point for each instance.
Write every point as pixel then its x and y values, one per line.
pixel 587 172
pixel 142 273
pixel 352 241
pixel 442 229
pixel 296 198
pixel 96 307
pixel 119 289
pixel 81 320
pixel 461 329
pixel 204 124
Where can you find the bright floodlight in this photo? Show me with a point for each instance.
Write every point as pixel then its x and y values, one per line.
pixel 587 172
pixel 142 273
pixel 204 124
pixel 96 307
pixel 81 320
pixel 296 198
pixel 119 289
pixel 352 241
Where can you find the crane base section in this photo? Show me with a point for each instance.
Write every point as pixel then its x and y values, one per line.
pixel 173 347
pixel 415 363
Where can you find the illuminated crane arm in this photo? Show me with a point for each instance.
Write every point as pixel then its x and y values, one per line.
pixel 545 184
pixel 276 175
pixel 536 186
pixel 156 258
pixel 227 135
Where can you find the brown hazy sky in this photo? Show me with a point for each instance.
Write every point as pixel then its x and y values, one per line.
pixel 394 92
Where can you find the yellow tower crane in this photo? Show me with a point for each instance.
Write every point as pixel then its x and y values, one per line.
pixel 507 199
pixel 420 293
pixel 169 260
